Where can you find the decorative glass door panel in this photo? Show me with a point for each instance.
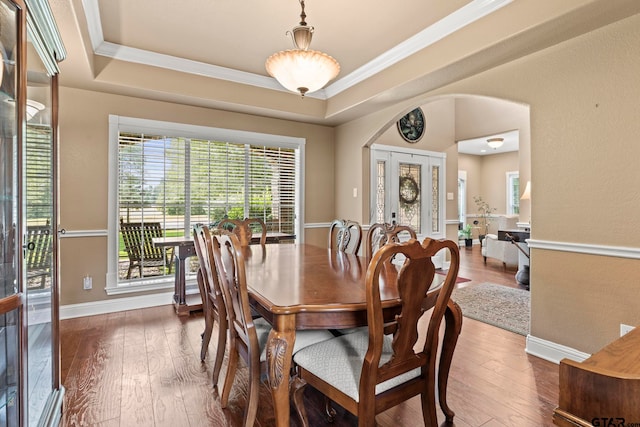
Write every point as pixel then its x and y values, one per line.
pixel 436 219
pixel 38 189
pixel 409 197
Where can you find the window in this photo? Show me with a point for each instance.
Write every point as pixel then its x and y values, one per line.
pixel 513 193
pixel 179 175
pixel 462 197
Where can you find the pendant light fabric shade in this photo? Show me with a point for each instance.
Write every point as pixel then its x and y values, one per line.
pixel 302 71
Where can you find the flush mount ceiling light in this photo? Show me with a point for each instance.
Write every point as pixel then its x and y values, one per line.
pixel 302 70
pixel 495 142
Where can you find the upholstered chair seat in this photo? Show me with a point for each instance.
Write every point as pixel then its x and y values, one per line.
pixel 339 362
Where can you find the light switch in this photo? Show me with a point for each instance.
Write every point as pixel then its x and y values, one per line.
pixel 355 191
pixel 449 196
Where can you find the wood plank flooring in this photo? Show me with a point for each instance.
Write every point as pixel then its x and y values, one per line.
pixel 142 368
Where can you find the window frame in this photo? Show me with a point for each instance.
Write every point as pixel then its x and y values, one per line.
pixel 512 196
pixel 119 124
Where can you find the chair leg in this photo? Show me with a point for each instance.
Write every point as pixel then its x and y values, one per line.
pixel 297 396
pixel 232 366
pixel 206 335
pixel 428 400
pixel 251 409
pixel 453 326
pixel 367 416
pixel 222 344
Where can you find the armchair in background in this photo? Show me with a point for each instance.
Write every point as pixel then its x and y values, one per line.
pixel 501 250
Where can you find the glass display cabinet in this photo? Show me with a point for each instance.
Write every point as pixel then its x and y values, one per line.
pixel 30 48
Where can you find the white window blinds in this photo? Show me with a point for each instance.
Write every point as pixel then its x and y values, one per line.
pixel 182 181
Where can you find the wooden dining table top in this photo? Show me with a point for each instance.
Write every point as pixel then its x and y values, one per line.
pixel 295 278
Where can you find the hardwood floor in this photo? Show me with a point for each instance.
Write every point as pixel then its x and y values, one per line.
pixel 142 368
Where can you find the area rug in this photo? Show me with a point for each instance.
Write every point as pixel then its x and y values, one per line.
pixel 501 306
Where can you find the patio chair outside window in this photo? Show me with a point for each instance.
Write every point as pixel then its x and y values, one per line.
pixel 38 257
pixel 142 253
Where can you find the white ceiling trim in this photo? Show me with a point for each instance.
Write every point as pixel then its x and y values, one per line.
pixel 140 56
pixel 94 25
pixel 462 17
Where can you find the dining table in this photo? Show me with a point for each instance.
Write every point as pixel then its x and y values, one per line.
pixel 184 301
pixel 301 286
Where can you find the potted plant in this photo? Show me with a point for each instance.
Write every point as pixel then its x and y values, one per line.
pixel 484 213
pixel 465 233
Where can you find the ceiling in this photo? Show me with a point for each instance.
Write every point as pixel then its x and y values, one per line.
pixel 211 53
pixel 479 147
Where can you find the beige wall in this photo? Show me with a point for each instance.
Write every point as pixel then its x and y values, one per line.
pixel 84 173
pixel 583 97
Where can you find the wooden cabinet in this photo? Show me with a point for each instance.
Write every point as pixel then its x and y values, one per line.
pixel 30 389
pixel 603 390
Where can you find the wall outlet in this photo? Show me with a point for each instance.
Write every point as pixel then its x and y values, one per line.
pixel 625 329
pixel 87 283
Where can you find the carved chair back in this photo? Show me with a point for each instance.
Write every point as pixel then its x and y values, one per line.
pixel 394 360
pixel 345 236
pixel 380 234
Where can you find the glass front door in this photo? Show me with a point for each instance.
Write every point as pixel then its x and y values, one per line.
pixel 408 189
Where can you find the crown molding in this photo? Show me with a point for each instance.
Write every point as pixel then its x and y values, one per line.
pixel 457 20
pixel 462 17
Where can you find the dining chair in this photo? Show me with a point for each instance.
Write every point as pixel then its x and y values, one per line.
pixel 369 371
pixel 380 234
pixel 212 300
pixel 247 335
pixel 345 236
pixel 245 228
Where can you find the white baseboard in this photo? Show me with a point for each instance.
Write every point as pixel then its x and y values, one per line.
pixel 551 351
pixel 114 305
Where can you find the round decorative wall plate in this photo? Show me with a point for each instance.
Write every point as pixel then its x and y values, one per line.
pixel 411 126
